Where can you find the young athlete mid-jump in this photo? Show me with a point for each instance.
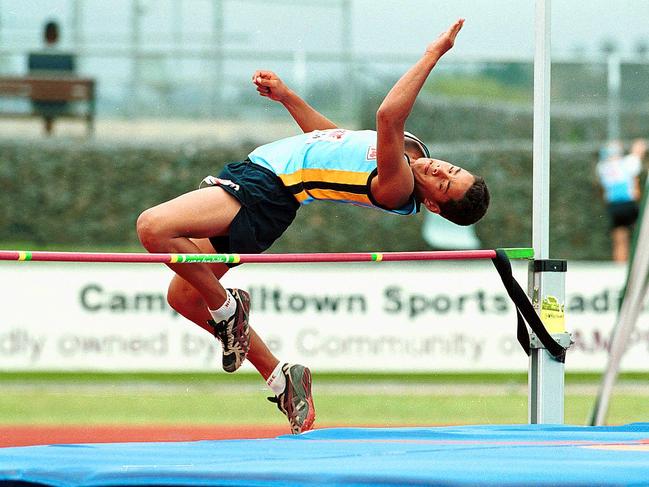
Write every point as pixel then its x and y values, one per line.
pixel 251 203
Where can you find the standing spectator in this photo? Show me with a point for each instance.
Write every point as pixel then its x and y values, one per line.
pixel 619 176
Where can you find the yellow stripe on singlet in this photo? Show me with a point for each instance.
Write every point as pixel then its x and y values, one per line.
pixel 332 194
pixel 306 183
pixel 324 175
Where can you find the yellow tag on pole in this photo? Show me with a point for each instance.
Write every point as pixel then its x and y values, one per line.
pixel 552 315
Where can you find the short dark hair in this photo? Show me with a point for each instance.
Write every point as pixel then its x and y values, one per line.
pixel 51 31
pixel 471 207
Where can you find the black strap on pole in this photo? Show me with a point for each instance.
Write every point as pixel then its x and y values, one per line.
pixel 525 311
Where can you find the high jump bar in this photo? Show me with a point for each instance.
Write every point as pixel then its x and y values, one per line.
pixel 160 258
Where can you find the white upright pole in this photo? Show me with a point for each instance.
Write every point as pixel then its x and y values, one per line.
pixel 546 277
pixel 541 154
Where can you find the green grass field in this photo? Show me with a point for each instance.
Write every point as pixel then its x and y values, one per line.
pixel 383 400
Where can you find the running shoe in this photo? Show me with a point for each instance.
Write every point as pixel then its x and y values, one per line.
pixel 234 333
pixel 296 401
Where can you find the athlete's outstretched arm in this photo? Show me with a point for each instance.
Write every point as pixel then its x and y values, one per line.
pixel 394 182
pixel 308 118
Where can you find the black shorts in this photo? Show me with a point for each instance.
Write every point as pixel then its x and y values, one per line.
pixel 623 214
pixel 267 208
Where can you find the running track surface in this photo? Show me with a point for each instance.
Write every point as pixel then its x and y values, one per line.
pixel 28 435
pixel 489 455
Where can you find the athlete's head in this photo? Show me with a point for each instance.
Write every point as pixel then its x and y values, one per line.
pixel 448 190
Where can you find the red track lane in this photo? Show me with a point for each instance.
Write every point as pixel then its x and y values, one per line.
pixel 28 435
pixel 253 258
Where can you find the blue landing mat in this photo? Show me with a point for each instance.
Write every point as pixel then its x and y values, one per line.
pixel 461 455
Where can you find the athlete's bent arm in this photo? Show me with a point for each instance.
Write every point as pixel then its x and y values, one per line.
pixel 308 118
pixel 394 183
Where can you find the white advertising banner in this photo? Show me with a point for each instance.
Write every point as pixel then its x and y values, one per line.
pixel 436 316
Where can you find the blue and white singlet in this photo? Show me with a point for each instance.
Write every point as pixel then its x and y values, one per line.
pixel 334 165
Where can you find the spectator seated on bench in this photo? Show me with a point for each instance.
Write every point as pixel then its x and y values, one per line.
pixel 47 65
pixel 52 87
pixel 51 63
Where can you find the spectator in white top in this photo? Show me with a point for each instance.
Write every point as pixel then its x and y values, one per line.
pixel 619 176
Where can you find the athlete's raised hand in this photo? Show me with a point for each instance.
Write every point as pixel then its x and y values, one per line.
pixel 269 85
pixel 446 39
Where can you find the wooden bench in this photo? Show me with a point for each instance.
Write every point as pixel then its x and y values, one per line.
pixel 51 89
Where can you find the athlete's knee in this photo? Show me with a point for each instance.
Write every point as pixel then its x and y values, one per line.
pixel 183 297
pixel 150 229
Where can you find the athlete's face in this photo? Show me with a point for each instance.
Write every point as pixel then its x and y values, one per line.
pixel 439 181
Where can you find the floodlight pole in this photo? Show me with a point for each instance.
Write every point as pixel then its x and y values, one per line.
pixel 614 77
pixel 546 282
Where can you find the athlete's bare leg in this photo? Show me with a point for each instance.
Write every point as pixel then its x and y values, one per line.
pixel 170 226
pixel 184 298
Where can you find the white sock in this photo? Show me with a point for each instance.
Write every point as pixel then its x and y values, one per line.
pixel 226 310
pixel 276 380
